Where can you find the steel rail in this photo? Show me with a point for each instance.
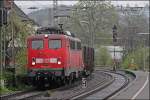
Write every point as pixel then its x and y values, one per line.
pixel 123 86
pixel 100 88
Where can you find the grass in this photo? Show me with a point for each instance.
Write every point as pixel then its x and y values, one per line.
pixel 4 90
pixel 11 89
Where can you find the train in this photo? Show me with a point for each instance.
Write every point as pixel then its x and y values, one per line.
pixel 56 56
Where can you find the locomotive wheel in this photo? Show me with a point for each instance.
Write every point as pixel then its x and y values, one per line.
pixel 60 81
pixel 72 78
pixel 63 81
pixel 40 86
pixel 68 80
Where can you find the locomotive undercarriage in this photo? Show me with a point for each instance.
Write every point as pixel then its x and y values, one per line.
pixel 52 78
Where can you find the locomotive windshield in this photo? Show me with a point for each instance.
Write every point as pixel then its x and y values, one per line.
pixel 54 44
pixel 37 44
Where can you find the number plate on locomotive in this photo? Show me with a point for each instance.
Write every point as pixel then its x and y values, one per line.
pixel 53 60
pixel 39 60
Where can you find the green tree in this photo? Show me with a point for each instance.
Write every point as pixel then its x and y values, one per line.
pixel 103 57
pixel 20 31
pixel 136 59
pixel 92 17
pixel 130 23
pixel 17 30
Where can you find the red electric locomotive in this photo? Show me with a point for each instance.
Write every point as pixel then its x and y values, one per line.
pixel 55 56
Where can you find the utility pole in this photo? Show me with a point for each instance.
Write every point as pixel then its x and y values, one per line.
pixel 4 6
pixel 13 48
pixel 57 15
pixel 1 45
pixel 114 29
pixel 55 8
pixel 144 55
pixel 91 42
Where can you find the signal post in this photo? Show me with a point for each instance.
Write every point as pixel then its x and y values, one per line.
pixel 114 31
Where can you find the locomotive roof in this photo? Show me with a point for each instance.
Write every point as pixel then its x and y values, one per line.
pixel 54 30
pixel 53 36
pixel 48 29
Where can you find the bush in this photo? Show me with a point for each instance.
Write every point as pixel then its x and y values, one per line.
pixel 8 77
pixel 135 60
pixel 4 90
pixel 21 61
pixel 103 57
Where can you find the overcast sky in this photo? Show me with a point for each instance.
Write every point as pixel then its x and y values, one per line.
pixel 24 5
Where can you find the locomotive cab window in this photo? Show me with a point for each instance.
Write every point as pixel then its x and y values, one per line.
pixel 37 44
pixel 54 44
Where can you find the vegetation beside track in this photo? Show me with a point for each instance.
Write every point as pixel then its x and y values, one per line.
pixel 102 57
pixel 14 68
pixel 137 60
pixel 7 83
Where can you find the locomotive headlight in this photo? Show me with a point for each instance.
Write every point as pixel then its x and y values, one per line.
pixel 46 35
pixel 33 63
pixel 59 62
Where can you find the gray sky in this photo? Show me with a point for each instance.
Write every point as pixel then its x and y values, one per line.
pixel 24 5
pixel 132 3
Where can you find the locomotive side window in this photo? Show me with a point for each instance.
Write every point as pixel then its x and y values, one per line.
pixel 54 44
pixel 37 44
pixel 72 45
pixel 78 45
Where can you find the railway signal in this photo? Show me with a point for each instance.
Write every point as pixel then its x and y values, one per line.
pixel 3 16
pixel 114 33
pixel 114 30
pixel 5 5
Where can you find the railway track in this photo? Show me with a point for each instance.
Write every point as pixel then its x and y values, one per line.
pixel 100 81
pixel 121 81
pixel 97 79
